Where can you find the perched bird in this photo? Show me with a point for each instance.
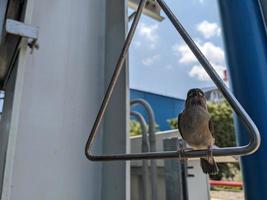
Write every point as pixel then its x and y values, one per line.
pixel 196 128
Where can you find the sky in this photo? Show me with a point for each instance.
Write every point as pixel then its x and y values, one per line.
pixel 160 62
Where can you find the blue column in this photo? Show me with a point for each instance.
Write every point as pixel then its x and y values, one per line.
pixel 246 50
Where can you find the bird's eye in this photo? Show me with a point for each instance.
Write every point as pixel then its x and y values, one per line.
pixel 190 94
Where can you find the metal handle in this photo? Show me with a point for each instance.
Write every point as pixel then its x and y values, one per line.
pixel 254 136
pixel 145 148
pixel 152 142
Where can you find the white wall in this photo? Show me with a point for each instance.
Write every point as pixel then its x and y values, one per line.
pixel 57 95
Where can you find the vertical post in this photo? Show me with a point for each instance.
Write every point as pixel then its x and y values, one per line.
pixel 184 174
pixel 116 175
pixel 175 183
pixel 152 141
pixel 145 148
pixel 54 104
pixel 246 49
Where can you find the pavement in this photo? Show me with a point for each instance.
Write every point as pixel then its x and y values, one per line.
pixel 226 195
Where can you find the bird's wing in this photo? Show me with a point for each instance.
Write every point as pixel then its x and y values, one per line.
pixel 211 128
pixel 178 123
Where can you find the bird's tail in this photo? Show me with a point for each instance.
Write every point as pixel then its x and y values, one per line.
pixel 209 166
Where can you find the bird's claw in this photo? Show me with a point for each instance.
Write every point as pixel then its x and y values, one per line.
pixel 210 154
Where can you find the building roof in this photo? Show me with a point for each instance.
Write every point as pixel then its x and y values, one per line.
pixel 159 94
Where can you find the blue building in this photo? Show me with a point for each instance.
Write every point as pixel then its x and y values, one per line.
pixel 164 107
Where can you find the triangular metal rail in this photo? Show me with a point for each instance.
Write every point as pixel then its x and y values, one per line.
pixel 253 133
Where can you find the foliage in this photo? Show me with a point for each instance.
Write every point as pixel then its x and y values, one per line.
pixel 173 123
pixel 224 131
pixel 135 128
pixel 222 119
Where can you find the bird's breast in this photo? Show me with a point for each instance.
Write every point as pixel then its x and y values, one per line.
pixel 195 127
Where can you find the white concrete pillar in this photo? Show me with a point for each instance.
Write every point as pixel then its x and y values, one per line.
pixel 58 91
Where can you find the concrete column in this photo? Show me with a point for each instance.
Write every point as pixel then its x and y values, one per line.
pixel 57 93
pixel 116 175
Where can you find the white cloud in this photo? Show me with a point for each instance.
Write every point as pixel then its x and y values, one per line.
pixel 137 44
pixel 199 72
pixel 168 67
pixel 208 29
pixel 186 56
pixel 149 33
pixel 150 60
pixel 214 53
pixel 200 1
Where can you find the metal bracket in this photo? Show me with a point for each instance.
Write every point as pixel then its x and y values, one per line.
pixel 151 9
pixel 23 30
pixel 253 133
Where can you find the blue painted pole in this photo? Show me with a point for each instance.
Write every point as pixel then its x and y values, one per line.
pixel 246 50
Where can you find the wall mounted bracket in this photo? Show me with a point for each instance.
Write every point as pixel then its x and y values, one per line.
pixel 23 30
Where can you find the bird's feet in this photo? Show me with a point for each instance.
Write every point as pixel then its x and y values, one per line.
pixel 210 156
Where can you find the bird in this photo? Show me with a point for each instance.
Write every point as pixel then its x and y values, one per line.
pixel 195 127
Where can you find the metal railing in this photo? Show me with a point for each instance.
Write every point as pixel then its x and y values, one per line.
pixel 152 142
pixel 254 136
pixel 145 148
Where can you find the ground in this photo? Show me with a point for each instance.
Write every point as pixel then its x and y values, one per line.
pixel 226 195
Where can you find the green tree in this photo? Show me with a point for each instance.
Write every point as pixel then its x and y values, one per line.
pixel 135 128
pixel 224 131
pixel 223 123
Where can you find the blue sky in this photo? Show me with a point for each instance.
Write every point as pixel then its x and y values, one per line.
pixel 160 62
